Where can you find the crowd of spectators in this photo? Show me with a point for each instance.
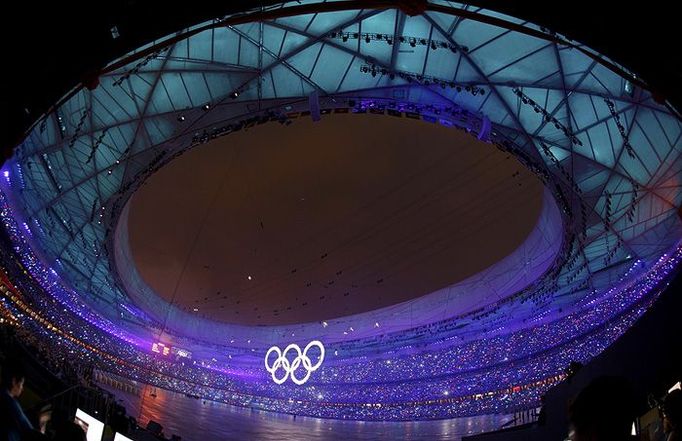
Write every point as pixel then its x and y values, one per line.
pixel 449 377
pixel 26 363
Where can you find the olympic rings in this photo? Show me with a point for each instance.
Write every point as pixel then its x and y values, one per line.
pixel 289 368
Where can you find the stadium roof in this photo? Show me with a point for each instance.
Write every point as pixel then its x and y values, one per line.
pixel 590 129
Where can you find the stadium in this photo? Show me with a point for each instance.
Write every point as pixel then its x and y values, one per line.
pixel 486 203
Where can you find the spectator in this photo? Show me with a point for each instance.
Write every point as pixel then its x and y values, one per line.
pixel 672 416
pixel 603 411
pixel 14 425
pixel 542 416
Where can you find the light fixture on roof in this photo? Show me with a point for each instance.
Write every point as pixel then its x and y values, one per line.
pixel 207 106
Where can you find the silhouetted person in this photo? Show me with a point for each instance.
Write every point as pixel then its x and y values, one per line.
pixel 603 411
pixel 70 431
pixel 542 416
pixel 672 416
pixel 572 369
pixel 14 425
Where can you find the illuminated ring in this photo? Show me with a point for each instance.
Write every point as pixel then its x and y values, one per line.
pixel 280 361
pixel 307 364
pixel 319 362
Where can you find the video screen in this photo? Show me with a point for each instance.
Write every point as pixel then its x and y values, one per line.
pixel 94 429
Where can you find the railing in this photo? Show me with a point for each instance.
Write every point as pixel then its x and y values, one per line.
pixel 523 417
pixel 129 386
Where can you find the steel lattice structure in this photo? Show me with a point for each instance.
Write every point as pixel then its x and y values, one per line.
pixel 608 153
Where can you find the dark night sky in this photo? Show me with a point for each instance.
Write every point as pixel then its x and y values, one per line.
pixel 399 208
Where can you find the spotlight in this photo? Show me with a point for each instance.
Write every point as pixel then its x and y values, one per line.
pixel 344 38
pixel 207 106
pixel 413 42
pixel 181 118
pixel 234 94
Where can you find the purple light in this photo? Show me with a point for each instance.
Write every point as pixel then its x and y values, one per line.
pixel 429 377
